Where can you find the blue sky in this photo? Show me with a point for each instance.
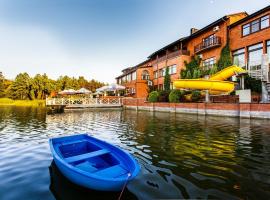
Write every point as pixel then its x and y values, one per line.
pixel 98 38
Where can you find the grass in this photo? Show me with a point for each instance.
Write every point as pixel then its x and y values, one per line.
pixel 11 102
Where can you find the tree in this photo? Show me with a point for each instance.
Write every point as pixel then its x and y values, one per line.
pixel 167 80
pixel 21 87
pixel 2 85
pixel 38 87
pixel 41 86
pixel 225 59
pixel 82 82
pixel 64 82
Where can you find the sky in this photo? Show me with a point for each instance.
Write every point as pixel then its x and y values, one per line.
pixel 98 38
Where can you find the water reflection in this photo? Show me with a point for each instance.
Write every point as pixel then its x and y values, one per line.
pixel 182 156
pixel 63 189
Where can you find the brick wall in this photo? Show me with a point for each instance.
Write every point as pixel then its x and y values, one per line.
pixel 237 41
pixel 222 109
pixel 214 52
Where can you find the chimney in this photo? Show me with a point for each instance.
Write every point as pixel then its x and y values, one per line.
pixel 193 30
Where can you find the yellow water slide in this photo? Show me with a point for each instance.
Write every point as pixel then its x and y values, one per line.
pixel 216 84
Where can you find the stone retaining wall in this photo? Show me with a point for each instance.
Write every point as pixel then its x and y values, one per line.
pixel 247 110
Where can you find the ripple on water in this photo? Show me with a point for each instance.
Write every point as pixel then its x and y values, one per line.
pixel 181 156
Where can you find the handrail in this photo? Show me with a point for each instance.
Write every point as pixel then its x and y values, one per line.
pixel 171 55
pixel 215 41
pixel 83 101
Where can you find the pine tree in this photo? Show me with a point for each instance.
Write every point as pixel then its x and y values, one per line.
pixel 21 87
pixel 167 80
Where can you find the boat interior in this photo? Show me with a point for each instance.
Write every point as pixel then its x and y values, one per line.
pixel 91 158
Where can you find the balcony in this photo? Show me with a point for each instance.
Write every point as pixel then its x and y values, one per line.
pixel 213 42
pixel 171 55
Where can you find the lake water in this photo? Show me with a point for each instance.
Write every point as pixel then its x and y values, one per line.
pixel 181 156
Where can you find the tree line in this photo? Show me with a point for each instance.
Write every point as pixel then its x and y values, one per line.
pixel 38 87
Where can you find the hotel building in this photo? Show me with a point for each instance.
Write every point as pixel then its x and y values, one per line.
pixel 247 35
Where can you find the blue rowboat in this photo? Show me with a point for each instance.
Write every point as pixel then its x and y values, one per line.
pixel 92 163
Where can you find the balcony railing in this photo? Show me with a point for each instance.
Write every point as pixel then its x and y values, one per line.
pixel 172 55
pixel 213 42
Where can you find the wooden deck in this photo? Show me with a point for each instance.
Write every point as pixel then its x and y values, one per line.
pixel 79 103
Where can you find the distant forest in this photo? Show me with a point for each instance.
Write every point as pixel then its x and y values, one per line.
pixel 25 87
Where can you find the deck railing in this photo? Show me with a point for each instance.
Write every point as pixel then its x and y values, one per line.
pixel 171 55
pixel 84 101
pixel 213 42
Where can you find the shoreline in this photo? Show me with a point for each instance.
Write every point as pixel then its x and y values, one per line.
pixel 241 110
pixel 11 102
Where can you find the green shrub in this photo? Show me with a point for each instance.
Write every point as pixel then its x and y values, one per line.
pixel 153 96
pixel 253 84
pixel 163 96
pixel 176 96
pixel 196 96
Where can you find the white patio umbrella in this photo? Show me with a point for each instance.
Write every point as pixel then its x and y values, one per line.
pixel 114 87
pixel 70 91
pixel 101 89
pixel 83 91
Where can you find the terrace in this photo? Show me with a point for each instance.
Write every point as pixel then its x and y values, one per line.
pixel 171 55
pixel 209 44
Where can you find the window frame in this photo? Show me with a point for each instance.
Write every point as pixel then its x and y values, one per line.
pixel 249 24
pixel 253 50
pixel 155 74
pixel 239 52
pixel 145 75
pixel 264 20
pixel 208 60
pixel 171 67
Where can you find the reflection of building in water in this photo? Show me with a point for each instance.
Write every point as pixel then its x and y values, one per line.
pixel 74 116
pixel 244 136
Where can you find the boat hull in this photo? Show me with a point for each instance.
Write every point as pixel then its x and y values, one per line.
pixel 109 171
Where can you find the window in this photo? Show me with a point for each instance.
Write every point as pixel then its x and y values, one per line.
pixel 119 81
pixel 246 29
pixel 145 75
pixel 172 69
pixel 162 72
pixel 129 77
pixel 133 91
pixel 209 40
pixel 124 79
pixel 239 57
pixel 134 76
pixel 255 56
pixel 265 22
pixel 209 63
pixel 268 49
pixel 255 25
pixel 155 74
